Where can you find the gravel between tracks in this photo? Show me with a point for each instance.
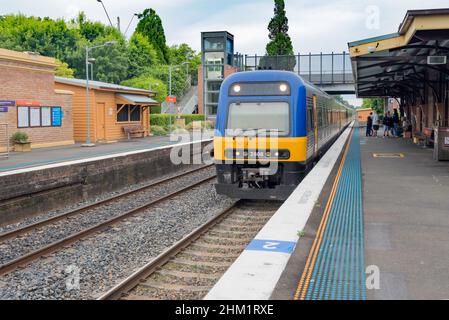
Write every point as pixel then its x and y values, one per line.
pixel 107 258
pixel 38 238
pixel 42 216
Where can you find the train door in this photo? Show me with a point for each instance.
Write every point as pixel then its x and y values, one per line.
pixel 315 126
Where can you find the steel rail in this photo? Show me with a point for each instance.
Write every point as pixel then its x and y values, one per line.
pixel 14 233
pixel 132 281
pixel 25 259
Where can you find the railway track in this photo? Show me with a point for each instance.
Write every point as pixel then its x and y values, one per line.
pixel 24 259
pixel 191 267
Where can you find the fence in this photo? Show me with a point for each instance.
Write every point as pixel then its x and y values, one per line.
pixel 4 141
pixel 320 69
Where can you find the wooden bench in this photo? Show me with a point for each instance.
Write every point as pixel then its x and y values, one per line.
pixel 134 129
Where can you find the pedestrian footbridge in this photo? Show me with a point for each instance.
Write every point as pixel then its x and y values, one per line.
pixel 332 72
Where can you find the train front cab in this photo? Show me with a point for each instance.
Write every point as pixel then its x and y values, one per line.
pixel 254 166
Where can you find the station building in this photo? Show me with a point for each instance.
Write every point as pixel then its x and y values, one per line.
pixel 113 109
pixel 362 114
pixel 218 63
pixel 411 66
pixel 30 103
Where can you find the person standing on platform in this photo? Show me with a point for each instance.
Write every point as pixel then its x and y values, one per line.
pixel 396 123
pixel 369 125
pixel 386 123
pixel 375 123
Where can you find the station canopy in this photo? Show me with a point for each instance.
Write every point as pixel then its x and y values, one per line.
pixel 398 64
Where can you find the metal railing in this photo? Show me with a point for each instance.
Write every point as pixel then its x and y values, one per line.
pixel 319 69
pixel 4 141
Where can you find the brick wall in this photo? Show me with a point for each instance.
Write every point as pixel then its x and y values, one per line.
pixel 23 78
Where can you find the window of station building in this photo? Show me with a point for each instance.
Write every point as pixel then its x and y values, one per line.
pixel 135 113
pixel 128 113
pixel 214 44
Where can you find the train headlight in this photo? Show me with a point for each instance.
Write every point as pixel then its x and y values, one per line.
pixel 283 87
pixel 237 88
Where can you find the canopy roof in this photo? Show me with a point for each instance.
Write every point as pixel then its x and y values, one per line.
pixel 396 64
pixel 137 99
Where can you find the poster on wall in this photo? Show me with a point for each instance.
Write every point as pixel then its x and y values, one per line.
pixel 56 116
pixel 35 117
pixel 23 120
pixel 46 116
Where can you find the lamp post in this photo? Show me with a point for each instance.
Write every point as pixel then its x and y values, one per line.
pixel 106 11
pixel 88 49
pixel 170 71
pixel 91 63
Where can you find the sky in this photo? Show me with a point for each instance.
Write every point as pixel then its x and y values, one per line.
pixel 315 25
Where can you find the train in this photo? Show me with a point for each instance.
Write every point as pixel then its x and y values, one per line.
pixel 271 129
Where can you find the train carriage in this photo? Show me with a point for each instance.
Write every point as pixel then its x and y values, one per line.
pixel 272 127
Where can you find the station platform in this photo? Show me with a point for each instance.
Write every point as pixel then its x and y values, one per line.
pixel 377 230
pixel 56 155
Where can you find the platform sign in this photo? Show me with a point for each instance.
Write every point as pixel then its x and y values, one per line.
pixel 56 116
pixel 3 109
pixel 7 103
pixel 28 103
pixel 170 99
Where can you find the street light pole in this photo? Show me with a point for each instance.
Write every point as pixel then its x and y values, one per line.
pixel 88 143
pixel 169 93
pixel 109 43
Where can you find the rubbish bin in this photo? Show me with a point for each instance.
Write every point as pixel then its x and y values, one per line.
pixel 441 148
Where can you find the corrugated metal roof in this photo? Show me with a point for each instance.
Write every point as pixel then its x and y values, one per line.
pixel 100 85
pixel 138 99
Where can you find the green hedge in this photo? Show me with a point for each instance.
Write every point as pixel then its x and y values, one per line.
pixel 163 120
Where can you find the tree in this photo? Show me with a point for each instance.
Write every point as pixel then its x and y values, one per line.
pixel 377 104
pixel 150 26
pixel 182 53
pixel 63 70
pixel 141 54
pixel 43 35
pixel 280 42
pixel 148 82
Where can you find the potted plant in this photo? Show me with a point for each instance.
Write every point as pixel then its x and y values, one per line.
pixel 20 141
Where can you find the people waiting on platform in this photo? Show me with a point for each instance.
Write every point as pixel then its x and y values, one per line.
pixel 369 125
pixel 387 124
pixel 376 123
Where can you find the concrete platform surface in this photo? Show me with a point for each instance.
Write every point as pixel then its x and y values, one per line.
pixel 406 223
pixel 45 156
pixel 406 204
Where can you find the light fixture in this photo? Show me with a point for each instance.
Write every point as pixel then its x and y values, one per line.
pixel 237 88
pixel 283 87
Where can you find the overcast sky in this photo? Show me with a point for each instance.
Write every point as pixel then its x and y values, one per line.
pixel 315 25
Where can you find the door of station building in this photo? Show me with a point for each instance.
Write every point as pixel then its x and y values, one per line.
pixel 101 121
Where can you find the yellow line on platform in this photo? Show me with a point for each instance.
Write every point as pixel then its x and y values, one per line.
pixel 311 260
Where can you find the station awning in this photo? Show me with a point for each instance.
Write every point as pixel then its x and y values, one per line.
pixel 397 64
pixel 138 99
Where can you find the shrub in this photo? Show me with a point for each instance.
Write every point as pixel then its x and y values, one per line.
pixel 158 131
pixel 19 137
pixel 163 120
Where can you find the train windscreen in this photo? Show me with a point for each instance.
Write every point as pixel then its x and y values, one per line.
pixel 269 116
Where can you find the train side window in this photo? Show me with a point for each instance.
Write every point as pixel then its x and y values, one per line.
pixel 309 119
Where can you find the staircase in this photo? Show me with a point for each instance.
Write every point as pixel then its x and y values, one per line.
pixel 187 103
